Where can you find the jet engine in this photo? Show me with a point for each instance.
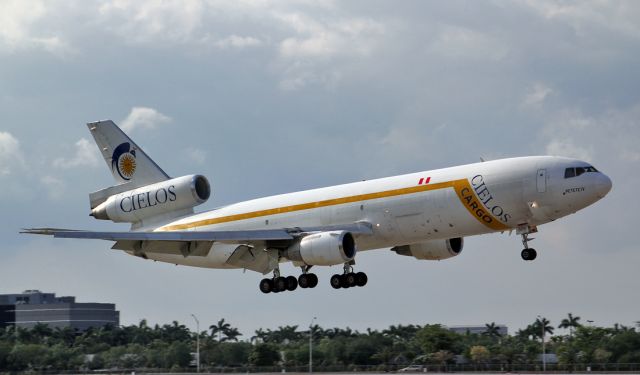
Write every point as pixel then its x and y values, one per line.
pixel 432 250
pixel 155 199
pixel 323 249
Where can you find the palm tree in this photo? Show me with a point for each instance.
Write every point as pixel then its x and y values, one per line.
pixel 542 326
pixel 219 328
pixel 231 334
pixel 286 334
pixel 570 322
pixel 260 336
pixel 492 330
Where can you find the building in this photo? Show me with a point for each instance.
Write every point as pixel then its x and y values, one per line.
pixel 478 330
pixel 32 307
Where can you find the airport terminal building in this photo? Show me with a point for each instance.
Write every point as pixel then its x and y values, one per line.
pixel 32 307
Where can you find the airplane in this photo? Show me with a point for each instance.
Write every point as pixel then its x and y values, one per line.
pixel 426 215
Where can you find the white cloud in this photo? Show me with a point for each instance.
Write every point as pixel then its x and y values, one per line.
pixel 584 16
pixel 196 155
pixel 147 21
pixel 458 42
pixel 235 41
pixel 143 117
pixel 10 153
pixel 86 155
pixel 566 147
pixel 19 24
pixel 571 132
pixel 536 95
pixel 320 51
pixel 354 36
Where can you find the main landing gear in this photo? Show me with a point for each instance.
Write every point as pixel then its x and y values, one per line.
pixel 279 283
pixel 349 278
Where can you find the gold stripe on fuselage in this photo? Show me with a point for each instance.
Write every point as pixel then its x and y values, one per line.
pixel 462 188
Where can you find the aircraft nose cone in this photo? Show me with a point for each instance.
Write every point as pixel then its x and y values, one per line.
pixel 603 186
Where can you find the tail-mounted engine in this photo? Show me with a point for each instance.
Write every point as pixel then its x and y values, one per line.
pixel 432 250
pixel 155 199
pixel 323 249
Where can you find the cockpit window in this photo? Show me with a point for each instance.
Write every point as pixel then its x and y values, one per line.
pixel 577 171
pixel 569 172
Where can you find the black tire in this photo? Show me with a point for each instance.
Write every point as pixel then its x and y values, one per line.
pixel 336 282
pixel 280 284
pixel 314 280
pixel 266 286
pixel 533 254
pixel 350 279
pixel 344 282
pixel 304 281
pixel 361 279
pixel 526 254
pixel 292 283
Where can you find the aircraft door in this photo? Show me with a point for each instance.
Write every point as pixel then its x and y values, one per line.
pixel 541 180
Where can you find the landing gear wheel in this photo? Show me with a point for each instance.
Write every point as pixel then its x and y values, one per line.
pixel 304 281
pixel 292 283
pixel 313 280
pixel 361 279
pixel 266 286
pixel 280 284
pixel 344 283
pixel 350 279
pixel 529 254
pixel 533 254
pixel 336 281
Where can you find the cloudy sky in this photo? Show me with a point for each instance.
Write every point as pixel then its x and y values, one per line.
pixel 270 97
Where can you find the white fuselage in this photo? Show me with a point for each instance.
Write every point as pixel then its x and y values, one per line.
pixel 461 201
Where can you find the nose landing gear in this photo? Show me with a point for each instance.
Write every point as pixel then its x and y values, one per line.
pixel 528 253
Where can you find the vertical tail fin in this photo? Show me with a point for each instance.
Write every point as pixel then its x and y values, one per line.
pixel 126 160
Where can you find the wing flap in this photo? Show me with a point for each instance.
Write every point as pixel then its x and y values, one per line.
pixel 251 258
pixel 184 248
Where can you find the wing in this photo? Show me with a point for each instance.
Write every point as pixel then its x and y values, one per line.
pixel 189 243
pixel 226 236
pixel 211 236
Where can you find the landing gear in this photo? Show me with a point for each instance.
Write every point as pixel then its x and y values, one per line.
pixel 308 280
pixel 279 283
pixel 528 253
pixel 349 278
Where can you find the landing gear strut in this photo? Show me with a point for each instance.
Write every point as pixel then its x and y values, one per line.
pixel 348 279
pixel 528 253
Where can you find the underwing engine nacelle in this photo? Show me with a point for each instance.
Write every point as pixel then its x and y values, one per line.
pixel 323 249
pixel 432 250
pixel 156 199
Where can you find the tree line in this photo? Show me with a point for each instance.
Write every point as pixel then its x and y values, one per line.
pixel 223 348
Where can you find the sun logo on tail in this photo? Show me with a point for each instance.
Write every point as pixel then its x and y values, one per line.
pixel 123 161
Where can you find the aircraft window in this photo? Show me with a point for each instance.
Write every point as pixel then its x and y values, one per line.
pixel 569 172
pixel 580 170
pixel 590 169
